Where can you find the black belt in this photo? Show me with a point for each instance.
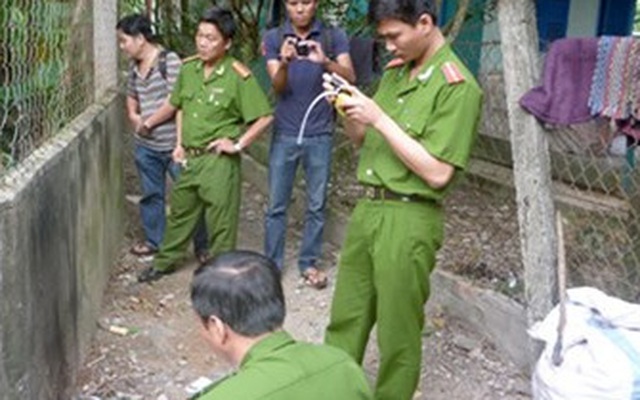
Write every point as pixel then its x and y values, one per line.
pixel 380 193
pixel 196 151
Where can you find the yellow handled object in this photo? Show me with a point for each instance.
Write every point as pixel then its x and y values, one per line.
pixel 339 101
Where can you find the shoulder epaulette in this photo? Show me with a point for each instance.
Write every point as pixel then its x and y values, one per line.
pixel 452 73
pixel 190 58
pixel 396 62
pixel 241 69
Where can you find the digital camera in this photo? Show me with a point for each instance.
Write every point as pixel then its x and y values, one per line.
pixel 302 49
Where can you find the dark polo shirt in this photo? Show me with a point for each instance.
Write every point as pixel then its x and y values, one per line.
pixel 304 82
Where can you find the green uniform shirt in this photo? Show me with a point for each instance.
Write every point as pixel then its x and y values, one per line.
pixel 217 106
pixel 278 368
pixel 440 115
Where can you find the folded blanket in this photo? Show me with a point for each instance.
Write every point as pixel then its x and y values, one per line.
pixel 568 71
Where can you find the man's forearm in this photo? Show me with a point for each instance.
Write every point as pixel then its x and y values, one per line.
pixel 162 114
pixel 254 130
pixel 178 128
pixel 132 107
pixel 432 171
pixel 279 77
pixel 342 69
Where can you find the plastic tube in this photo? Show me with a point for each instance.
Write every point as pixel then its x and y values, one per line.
pixel 306 114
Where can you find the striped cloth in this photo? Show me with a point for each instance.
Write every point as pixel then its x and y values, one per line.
pixel 615 89
pixel 151 91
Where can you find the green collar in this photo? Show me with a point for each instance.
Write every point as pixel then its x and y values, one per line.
pixel 267 345
pixel 426 71
pixel 219 68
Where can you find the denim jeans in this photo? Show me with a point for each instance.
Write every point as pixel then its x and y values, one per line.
pixel 285 154
pixel 153 167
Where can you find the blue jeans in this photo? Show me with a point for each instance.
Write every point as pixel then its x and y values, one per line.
pixel 153 167
pixel 285 154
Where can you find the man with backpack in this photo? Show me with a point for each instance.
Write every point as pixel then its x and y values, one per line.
pixel 152 74
pixel 297 53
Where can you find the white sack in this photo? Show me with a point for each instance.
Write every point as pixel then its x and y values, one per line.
pixel 600 350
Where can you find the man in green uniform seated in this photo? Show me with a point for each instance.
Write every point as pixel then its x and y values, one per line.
pixel 216 96
pixel 416 136
pixel 239 299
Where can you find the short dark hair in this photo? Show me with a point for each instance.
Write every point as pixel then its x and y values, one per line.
pixel 222 19
pixel 408 11
pixel 136 24
pixel 243 289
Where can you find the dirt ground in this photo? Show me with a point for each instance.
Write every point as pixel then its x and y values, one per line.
pixel 148 344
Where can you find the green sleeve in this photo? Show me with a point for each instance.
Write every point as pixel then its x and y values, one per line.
pixel 252 101
pixel 176 94
pixel 451 133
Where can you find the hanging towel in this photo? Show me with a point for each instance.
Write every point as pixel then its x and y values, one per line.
pixel 568 71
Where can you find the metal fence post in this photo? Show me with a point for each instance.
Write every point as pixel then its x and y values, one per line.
pixel 531 161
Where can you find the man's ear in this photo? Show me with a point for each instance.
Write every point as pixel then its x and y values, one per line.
pixel 425 23
pixel 227 45
pixel 219 328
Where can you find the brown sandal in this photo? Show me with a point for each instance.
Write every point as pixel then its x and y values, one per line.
pixel 314 278
pixel 142 249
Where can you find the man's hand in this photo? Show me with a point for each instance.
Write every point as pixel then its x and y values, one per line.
pixel 178 155
pixel 352 104
pixel 316 53
pixel 143 129
pixel 288 50
pixel 224 145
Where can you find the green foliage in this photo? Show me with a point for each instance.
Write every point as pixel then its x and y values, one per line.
pixel 177 22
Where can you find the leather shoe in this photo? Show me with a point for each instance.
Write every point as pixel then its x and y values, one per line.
pixel 151 274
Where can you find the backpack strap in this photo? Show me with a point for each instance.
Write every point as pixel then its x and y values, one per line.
pixel 162 63
pixel 162 66
pixel 327 42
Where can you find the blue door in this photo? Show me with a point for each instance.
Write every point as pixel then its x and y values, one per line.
pixel 616 17
pixel 552 16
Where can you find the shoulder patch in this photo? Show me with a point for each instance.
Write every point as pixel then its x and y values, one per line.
pixel 396 62
pixel 241 69
pixel 190 58
pixel 452 73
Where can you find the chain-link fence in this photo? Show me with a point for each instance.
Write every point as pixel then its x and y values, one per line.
pixel 596 186
pixel 46 70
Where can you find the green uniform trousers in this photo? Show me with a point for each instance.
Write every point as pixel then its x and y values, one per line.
pixel 383 278
pixel 210 182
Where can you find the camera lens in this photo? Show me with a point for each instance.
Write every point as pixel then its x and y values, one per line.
pixel 302 49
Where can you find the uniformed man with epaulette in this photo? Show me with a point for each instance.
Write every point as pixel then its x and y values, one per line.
pixel 239 300
pixel 416 136
pixel 215 96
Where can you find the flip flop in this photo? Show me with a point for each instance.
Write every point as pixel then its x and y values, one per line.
pixel 314 278
pixel 142 249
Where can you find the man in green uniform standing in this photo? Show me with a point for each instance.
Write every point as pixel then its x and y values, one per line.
pixel 215 96
pixel 238 298
pixel 416 136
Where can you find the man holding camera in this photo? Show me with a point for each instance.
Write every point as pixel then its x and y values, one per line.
pixel 297 54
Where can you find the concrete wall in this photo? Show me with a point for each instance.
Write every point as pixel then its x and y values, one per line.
pixel 61 218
